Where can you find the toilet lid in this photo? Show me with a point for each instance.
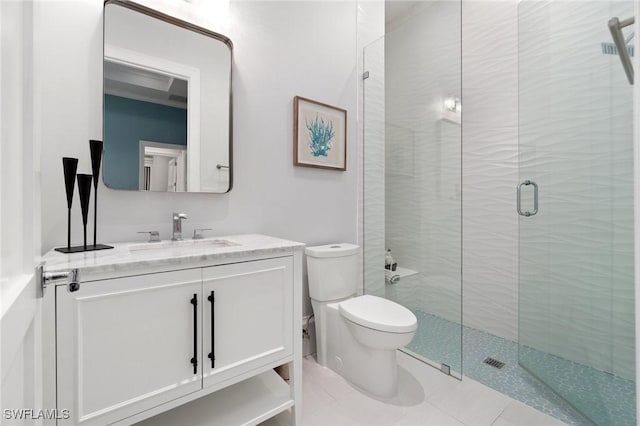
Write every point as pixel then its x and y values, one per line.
pixel 379 314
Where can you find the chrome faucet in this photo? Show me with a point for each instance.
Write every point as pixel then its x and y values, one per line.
pixel 177 226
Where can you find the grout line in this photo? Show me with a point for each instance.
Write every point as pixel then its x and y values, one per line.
pixel 501 413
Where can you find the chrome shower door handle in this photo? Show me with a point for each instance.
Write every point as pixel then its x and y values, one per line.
pixel 535 198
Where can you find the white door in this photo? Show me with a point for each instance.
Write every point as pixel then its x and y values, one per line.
pixel 251 304
pixel 128 344
pixel 20 330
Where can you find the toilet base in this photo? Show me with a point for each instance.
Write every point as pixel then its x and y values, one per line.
pixel 374 371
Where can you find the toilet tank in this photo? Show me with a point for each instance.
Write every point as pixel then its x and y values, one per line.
pixel 332 271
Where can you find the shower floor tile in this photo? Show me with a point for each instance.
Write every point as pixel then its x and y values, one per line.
pixel 611 401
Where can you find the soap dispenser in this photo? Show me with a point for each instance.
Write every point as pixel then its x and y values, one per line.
pixel 388 260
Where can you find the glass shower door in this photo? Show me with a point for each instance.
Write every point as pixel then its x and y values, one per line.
pixel 575 200
pixel 413 174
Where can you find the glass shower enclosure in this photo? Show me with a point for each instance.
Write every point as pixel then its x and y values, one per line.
pixel 573 199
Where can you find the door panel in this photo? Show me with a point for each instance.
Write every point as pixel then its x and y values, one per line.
pixel 21 372
pixel 252 316
pixel 143 354
pixel 576 310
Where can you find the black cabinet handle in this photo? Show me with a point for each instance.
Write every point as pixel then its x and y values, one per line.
pixel 211 355
pixel 194 360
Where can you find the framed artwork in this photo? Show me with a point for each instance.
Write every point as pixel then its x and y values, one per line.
pixel 319 135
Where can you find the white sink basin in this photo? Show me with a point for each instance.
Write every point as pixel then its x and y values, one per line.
pixel 168 244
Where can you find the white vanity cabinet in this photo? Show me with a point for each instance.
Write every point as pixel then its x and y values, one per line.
pixel 251 304
pixel 151 337
pixel 125 345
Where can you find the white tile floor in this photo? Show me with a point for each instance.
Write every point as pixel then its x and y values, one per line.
pixel 426 397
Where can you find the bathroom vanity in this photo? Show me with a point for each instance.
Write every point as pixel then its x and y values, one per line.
pixel 197 324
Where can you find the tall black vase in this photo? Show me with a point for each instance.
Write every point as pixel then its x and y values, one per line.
pixel 70 166
pixel 96 159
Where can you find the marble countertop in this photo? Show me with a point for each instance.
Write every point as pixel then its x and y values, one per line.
pixel 134 255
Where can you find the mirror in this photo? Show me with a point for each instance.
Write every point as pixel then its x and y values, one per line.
pixel 167 103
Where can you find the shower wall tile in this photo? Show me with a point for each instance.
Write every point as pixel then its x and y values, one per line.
pixel 494 106
pixel 423 150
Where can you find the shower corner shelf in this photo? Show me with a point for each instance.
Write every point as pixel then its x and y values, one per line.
pixel 404 272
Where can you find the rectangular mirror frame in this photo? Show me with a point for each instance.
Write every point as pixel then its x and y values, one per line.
pixel 191 27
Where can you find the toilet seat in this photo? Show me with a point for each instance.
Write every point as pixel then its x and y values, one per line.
pixel 378 314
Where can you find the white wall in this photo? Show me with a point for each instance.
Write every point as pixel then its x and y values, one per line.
pixel 281 49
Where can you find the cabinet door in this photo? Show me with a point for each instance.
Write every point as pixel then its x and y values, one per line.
pixel 252 316
pixel 125 345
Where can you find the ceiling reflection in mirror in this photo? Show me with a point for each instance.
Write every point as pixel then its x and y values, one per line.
pixel 167 103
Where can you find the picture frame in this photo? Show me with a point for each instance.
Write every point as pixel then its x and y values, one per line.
pixel 319 135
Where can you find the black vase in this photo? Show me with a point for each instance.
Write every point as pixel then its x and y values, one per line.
pixel 96 159
pixel 84 189
pixel 70 166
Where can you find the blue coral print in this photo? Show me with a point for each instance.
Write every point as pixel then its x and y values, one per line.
pixel 320 134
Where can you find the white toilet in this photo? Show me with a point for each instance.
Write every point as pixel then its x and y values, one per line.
pixel 356 336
